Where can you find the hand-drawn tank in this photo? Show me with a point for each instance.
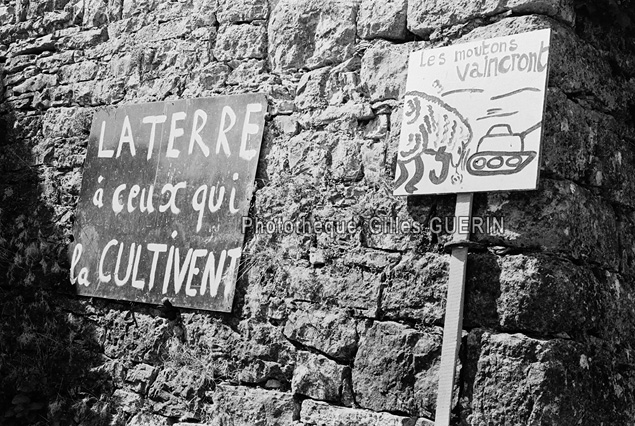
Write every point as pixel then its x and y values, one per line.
pixel 501 152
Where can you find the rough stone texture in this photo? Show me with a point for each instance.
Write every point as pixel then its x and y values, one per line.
pixel 240 406
pixel 426 16
pixel 584 145
pixel 311 33
pixel 396 369
pixel 240 42
pixel 128 402
pixel 320 414
pixel 416 288
pixel 319 378
pixel 382 19
pixel 231 12
pixel 547 382
pixel 176 392
pixel 384 69
pixel 551 209
pixel 350 316
pixel 333 333
pixel 141 376
pixel 145 419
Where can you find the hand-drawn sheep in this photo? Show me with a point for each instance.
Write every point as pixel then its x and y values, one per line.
pixel 431 127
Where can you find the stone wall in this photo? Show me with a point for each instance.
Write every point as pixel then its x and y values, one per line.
pixel 326 329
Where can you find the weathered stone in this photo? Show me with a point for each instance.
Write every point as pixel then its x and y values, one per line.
pixel 544 296
pixel 346 163
pixel 129 402
pixel 213 338
pixel 39 8
pixel 310 150
pixel 243 41
pixel 416 288
pixel 176 391
pixel 83 39
pixel 136 7
pixel 384 69
pixel 374 160
pixel 176 12
pixel 563 10
pixel 61 95
pixel 311 91
pixel 333 332
pixel 426 16
pixel 7 15
pixel 339 226
pixel 316 257
pixel 195 423
pixel 205 12
pixel 377 128
pixel 56 60
pixel 626 232
pixel 81 71
pixel 396 369
pixel 18 63
pixel 122 66
pixel 213 76
pixel 141 377
pixel 383 219
pixel 547 381
pixel 29 46
pixel 349 111
pixel 140 338
pixel 99 12
pixel 248 72
pixel 356 289
pixel 376 260
pixel 257 371
pixel 587 146
pixel 311 34
pixel 36 83
pixel 231 12
pixel 343 85
pixel 322 414
pixel 542 219
pixel 114 370
pixel 103 92
pixel 21 76
pixel 318 377
pixel 382 19
pixel 67 122
pixel 241 406
pixel 158 31
pixel 147 419
pixel 287 124
pixel 20 102
pixel 267 354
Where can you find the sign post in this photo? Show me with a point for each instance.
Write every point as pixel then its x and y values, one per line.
pixel 472 122
pixel 453 325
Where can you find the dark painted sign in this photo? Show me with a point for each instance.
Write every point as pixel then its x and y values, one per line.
pixel 164 189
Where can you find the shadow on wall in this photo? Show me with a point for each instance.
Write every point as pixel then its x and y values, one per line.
pixel 47 351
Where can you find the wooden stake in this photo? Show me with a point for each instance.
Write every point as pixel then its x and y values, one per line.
pixel 453 325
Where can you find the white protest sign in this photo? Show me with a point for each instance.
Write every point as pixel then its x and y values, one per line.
pixel 472 118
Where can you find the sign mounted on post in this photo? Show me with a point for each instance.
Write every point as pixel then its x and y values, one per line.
pixel 164 190
pixel 472 118
pixel 472 121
